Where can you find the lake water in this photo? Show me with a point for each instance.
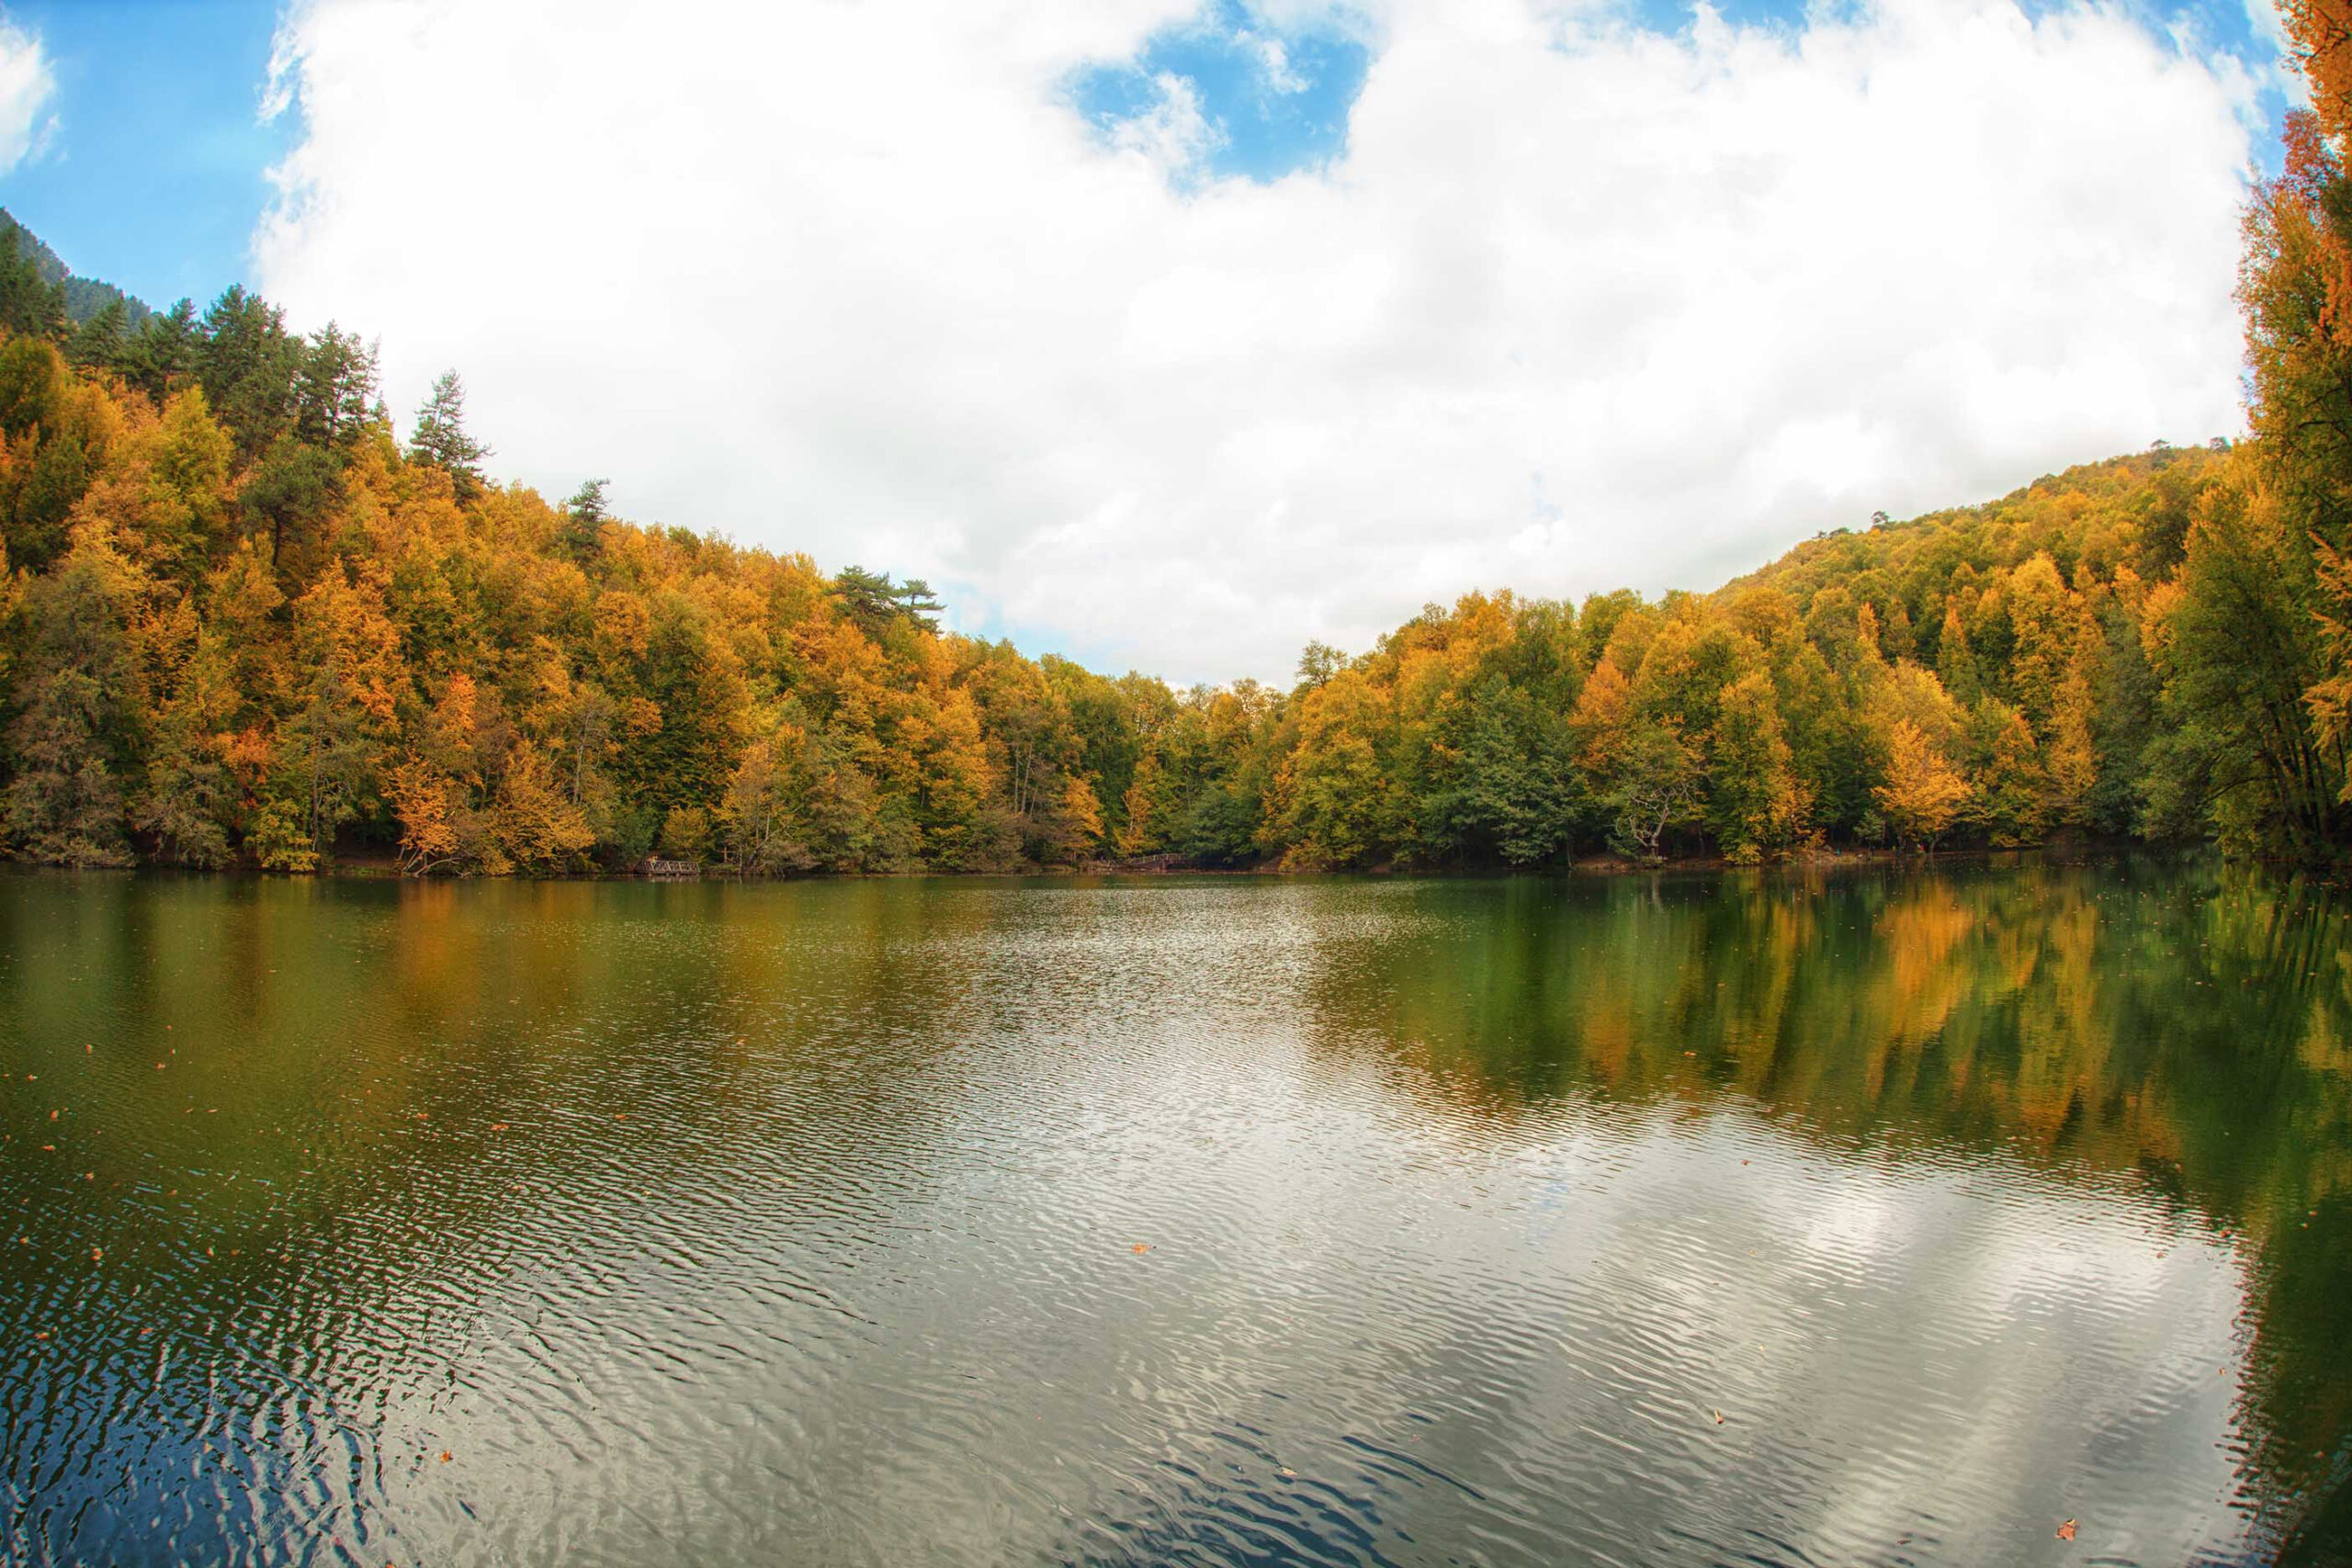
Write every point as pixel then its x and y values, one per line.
pixel 1868 1218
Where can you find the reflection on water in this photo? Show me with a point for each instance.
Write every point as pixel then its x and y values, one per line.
pixel 1880 1218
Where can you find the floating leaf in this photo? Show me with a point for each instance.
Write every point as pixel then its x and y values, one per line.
pixel 2067 1530
pixel 1719 1417
pixel 445 1456
pixel 1142 1246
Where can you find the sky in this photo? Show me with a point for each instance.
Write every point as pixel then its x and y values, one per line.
pixel 1170 335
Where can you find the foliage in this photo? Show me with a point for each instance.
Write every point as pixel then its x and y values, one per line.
pixel 247 623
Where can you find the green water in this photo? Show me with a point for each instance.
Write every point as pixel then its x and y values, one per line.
pixel 1245 1220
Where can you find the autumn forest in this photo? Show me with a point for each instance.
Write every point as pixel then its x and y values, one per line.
pixel 252 619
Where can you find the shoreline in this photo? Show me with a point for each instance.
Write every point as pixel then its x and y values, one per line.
pixel 1604 866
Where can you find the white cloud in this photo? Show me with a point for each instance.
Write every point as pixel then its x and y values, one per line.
pixel 1274 63
pixel 1579 305
pixel 27 85
pixel 1173 135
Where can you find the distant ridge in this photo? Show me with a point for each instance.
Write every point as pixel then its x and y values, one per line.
pixel 84 297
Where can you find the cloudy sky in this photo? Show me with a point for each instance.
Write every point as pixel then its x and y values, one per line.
pixel 1169 335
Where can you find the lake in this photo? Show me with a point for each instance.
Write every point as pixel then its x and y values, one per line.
pixel 1870 1217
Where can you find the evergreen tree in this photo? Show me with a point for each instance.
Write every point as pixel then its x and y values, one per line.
pixel 584 514
pixel 441 439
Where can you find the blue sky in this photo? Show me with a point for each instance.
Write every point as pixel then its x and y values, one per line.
pixel 155 174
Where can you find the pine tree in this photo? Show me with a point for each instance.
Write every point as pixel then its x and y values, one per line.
pixel 334 388
pixel 584 514
pixel 440 437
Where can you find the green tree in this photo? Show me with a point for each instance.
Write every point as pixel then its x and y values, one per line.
pixel 441 440
pixel 75 736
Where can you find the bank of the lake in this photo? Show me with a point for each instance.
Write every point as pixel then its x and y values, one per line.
pixel 1878 1214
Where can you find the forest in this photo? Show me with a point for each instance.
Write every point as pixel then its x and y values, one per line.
pixel 244 621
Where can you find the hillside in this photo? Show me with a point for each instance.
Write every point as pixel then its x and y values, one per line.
pixel 249 624
pixel 83 299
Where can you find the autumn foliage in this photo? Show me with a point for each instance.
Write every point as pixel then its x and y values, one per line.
pixel 246 622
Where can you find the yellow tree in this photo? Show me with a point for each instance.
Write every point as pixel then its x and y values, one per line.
pixel 1924 794
pixel 1755 803
pixel 1140 834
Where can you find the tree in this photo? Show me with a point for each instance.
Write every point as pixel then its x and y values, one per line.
pixel 188 798
pixel 1955 662
pixel 2254 742
pixel 440 439
pixel 161 356
pixel 30 306
pixel 868 599
pixel 335 386
pixel 1653 789
pixel 248 364
pixel 97 344
pixel 75 734
pixel 581 535
pixel 1755 801
pixel 1924 794
pixel 914 600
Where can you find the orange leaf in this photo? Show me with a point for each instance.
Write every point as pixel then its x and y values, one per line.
pixel 2067 1530
pixel 1143 1246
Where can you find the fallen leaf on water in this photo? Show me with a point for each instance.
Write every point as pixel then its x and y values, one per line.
pixel 53 1115
pixel 1142 1246
pixel 1289 1471
pixel 1719 1417
pixel 445 1456
pixel 48 1148
pixel 498 1126
pixel 2067 1530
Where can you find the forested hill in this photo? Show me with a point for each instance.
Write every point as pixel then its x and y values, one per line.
pixel 245 622
pixel 78 298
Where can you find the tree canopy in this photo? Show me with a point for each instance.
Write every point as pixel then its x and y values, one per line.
pixel 243 622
